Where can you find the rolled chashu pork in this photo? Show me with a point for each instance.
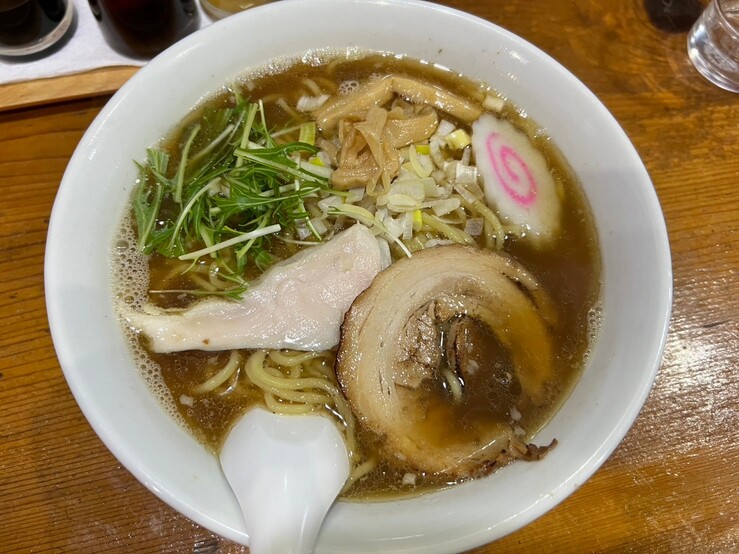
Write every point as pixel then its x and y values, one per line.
pixel 418 320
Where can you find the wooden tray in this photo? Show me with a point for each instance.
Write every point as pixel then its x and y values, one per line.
pixel 69 87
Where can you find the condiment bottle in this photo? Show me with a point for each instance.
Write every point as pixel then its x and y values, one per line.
pixel 143 28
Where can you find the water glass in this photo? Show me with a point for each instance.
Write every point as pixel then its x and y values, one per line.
pixel 219 9
pixel 713 44
pixel 30 26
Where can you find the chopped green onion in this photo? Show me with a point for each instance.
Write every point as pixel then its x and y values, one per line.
pixel 421 163
pixel 452 233
pixel 308 133
pixel 367 218
pixel 458 139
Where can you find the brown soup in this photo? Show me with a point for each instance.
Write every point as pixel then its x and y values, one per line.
pixel 569 271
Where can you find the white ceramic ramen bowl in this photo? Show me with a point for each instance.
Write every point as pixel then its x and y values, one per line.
pixel 129 419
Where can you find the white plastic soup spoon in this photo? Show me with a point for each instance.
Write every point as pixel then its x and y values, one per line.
pixel 286 472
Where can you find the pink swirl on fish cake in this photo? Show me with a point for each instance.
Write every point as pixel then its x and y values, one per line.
pixel 506 161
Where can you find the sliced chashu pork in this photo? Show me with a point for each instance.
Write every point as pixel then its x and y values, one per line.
pixel 298 303
pixel 392 342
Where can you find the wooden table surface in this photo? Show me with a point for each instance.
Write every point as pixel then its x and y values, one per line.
pixel 671 486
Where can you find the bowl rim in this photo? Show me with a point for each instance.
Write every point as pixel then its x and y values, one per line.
pixel 471 539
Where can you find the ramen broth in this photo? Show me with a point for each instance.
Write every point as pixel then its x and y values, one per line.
pixel 569 270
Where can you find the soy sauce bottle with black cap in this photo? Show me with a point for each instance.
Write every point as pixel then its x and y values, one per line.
pixel 143 28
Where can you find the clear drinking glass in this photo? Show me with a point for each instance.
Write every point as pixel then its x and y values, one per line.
pixel 30 26
pixel 713 44
pixel 218 9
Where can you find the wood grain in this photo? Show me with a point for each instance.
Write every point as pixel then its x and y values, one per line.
pixel 672 484
pixel 68 87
